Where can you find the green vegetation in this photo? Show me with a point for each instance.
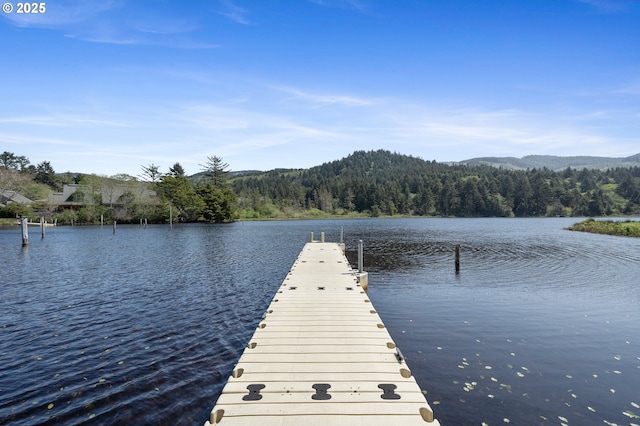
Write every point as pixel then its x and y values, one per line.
pixel 379 183
pixel 372 184
pixel 120 197
pixel 609 227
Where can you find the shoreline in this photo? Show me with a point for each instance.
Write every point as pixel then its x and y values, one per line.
pixel 627 228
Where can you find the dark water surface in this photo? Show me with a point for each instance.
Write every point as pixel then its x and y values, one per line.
pixel 542 325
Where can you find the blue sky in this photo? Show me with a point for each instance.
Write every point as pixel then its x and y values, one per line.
pixel 110 86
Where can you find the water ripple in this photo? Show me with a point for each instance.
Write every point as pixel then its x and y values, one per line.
pixel 144 327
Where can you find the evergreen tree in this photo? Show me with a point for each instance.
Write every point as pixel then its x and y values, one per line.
pixel 151 173
pixel 216 170
pixel 45 174
pixel 8 160
pixel 219 203
pixel 177 171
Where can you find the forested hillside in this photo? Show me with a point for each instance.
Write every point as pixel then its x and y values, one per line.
pixel 384 183
pixel 369 183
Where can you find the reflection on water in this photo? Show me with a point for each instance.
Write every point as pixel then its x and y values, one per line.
pixel 144 326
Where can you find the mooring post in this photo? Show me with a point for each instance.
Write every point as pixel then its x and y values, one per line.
pixel 457 258
pixel 101 220
pixel 25 231
pixel 145 222
pixel 322 237
pixel 141 222
pixel 363 277
pixel 311 237
pixel 341 244
pixel 42 223
pixel 114 226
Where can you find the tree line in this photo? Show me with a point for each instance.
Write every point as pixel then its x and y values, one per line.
pixel 365 183
pixel 208 198
pixel 383 183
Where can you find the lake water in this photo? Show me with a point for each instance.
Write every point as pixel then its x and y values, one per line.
pixel 541 326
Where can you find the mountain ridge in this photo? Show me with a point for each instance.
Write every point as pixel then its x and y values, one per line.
pixel 555 163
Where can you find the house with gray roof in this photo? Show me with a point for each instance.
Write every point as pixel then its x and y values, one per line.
pixel 72 195
pixel 8 197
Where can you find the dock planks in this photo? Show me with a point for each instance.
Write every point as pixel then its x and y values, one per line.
pixel 321 356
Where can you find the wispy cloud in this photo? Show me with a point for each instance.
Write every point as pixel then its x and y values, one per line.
pixel 111 22
pixel 631 89
pixel 324 98
pixel 23 140
pixel 235 13
pixel 358 5
pixel 63 13
pixel 60 120
pixel 276 125
pixel 609 6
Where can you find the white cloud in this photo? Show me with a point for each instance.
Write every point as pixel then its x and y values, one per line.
pixel 234 13
pixel 325 98
pixel 358 5
pixel 280 126
pixel 609 6
pixel 60 120
pixel 112 22
pixel 62 13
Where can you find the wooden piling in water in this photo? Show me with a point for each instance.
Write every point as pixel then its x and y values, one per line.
pixel 457 258
pixel 114 226
pixel 42 225
pixel 25 231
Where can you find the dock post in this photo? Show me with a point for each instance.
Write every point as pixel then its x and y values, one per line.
pixel 101 220
pixel 457 258
pixel 42 227
pixel 114 226
pixel 363 277
pixel 341 244
pixel 311 237
pixel 322 237
pixel 25 231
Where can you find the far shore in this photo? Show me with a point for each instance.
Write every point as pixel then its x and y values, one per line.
pixel 627 228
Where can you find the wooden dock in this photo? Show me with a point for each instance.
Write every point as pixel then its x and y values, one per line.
pixel 321 356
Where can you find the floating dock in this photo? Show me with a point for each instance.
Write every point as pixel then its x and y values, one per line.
pixel 321 356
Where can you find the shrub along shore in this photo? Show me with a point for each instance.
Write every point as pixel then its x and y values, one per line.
pixel 627 228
